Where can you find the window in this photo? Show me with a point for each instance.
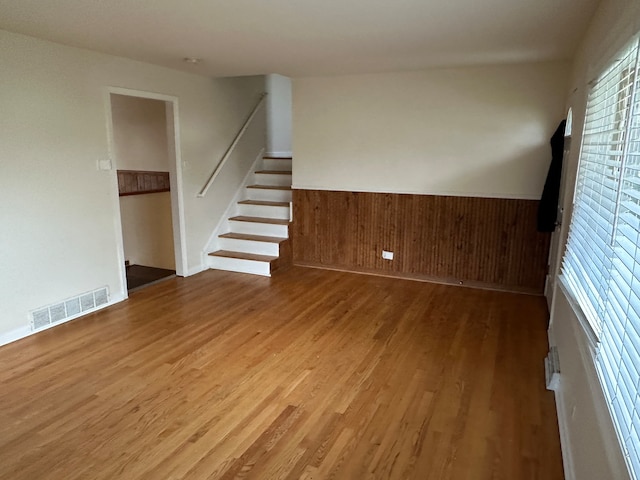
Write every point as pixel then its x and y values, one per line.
pixel 601 267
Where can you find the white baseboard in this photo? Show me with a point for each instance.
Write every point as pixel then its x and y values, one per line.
pixel 195 270
pixel 25 331
pixel 565 440
pixel 14 335
pixel 279 154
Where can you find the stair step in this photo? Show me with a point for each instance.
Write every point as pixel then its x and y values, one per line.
pixel 271 187
pixel 243 256
pixel 272 221
pixel 264 203
pixel 259 241
pixel 242 262
pixel 275 172
pixel 254 238
pixel 268 208
pixel 270 193
pixel 279 177
pixel 277 163
pixel 262 226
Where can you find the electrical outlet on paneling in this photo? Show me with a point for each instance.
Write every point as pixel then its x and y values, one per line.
pixel 387 255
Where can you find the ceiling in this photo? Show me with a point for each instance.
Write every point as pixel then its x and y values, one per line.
pixel 309 37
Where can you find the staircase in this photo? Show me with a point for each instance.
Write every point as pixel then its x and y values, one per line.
pixel 258 240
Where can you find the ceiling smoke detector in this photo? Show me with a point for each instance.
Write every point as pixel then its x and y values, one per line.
pixel 192 60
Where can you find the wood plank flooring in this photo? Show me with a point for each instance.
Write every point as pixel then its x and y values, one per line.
pixel 140 275
pixel 310 374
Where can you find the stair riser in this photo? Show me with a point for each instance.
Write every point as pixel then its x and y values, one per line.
pixel 273 179
pixel 266 211
pixel 264 229
pixel 270 164
pixel 249 246
pixel 239 265
pixel 269 195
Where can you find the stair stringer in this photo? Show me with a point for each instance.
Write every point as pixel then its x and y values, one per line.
pixel 231 211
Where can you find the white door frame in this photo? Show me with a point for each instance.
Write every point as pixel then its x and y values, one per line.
pixel 558 239
pixel 175 172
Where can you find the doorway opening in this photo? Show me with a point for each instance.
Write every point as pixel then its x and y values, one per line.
pixel 143 140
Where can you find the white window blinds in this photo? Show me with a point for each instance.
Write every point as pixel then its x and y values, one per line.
pixel 602 262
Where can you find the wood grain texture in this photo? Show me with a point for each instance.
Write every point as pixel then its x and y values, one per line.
pixel 140 182
pixel 309 374
pixel 484 242
pixel 285 257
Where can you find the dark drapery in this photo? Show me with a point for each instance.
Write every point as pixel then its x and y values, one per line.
pixel 548 208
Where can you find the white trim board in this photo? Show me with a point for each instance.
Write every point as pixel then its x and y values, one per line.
pixel 195 270
pixel 507 196
pixel 279 154
pixel 15 335
pixel 565 439
pixel 175 171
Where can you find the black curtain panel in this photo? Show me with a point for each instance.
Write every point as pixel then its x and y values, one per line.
pixel 548 208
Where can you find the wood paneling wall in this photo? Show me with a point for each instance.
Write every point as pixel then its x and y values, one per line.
pixel 487 242
pixel 140 182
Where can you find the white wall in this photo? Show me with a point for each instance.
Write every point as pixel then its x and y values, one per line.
pixel 140 133
pixel 467 131
pixel 147 230
pixel 589 444
pixel 59 218
pixel 278 115
pixel 140 141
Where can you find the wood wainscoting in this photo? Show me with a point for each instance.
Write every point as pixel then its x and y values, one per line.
pixel 140 182
pixel 485 242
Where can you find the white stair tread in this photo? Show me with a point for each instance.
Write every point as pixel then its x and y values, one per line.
pixel 271 187
pixel 255 238
pixel 275 172
pixel 274 221
pixel 243 256
pixel 264 203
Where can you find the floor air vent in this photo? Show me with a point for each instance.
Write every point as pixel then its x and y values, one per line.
pixel 69 309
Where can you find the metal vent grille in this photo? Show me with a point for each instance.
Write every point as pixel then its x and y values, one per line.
pixel 101 296
pixel 73 306
pixel 69 308
pixel 57 312
pixel 87 302
pixel 41 318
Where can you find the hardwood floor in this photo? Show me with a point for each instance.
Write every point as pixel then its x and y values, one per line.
pixel 310 374
pixel 140 276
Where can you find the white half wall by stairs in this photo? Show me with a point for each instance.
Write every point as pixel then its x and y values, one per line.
pixel 255 237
